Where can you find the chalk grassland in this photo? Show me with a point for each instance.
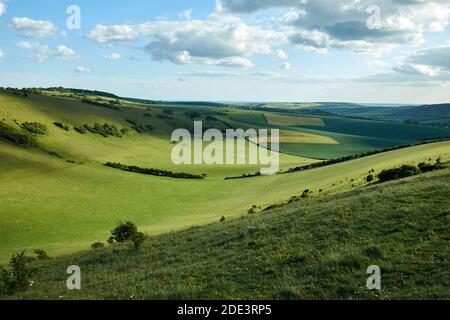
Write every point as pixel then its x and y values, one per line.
pixel 47 202
pixel 65 207
pixel 279 120
pixel 319 248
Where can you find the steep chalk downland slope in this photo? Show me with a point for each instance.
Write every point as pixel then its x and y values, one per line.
pixel 314 249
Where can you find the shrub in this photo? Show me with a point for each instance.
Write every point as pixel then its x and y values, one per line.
pixel 398 173
pixel 305 194
pixel 124 232
pixel 41 254
pixel 61 125
pixel 222 219
pixel 17 277
pixel 138 239
pixel 13 135
pixel 80 130
pixel 252 210
pixel 370 178
pixel 34 127
pixel 105 130
pixel 143 128
pixel 97 245
pixel 428 167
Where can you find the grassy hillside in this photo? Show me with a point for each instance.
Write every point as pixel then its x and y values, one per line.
pixel 64 204
pixel 318 248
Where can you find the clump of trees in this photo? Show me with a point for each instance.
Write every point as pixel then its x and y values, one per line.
pixel 408 171
pixel 127 232
pixel 106 130
pixel 62 126
pixel 140 128
pixel 12 135
pixel 34 127
pixel 398 173
pixel 154 172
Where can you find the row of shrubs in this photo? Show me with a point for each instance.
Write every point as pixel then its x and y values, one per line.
pixel 140 128
pixel 62 126
pixel 34 127
pixel 105 130
pixel 19 137
pixel 154 172
pixel 408 171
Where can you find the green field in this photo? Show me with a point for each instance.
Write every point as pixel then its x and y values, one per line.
pixel 318 248
pixel 64 204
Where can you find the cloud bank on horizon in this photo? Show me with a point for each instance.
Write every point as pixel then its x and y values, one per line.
pixel 298 48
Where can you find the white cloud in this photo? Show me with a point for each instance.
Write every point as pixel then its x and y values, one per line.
pixel 33 28
pixel 24 45
pixel 286 66
pixel 65 53
pixel 2 55
pixel 44 52
pixel 186 14
pixel 218 40
pixel 380 65
pixel 113 34
pixel 112 56
pixel 431 62
pixel 318 25
pixel 83 69
pixel 281 54
pixel 2 8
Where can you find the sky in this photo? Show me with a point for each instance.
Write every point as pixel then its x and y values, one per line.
pixel 366 51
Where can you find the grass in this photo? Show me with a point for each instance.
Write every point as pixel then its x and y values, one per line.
pixel 318 248
pixel 74 200
pixel 279 120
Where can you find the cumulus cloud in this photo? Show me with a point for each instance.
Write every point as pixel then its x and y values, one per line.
pixel 2 8
pixel 113 34
pixel 33 28
pixel 112 56
pixel 222 41
pixel 81 69
pixel 44 52
pixel 319 25
pixel 65 53
pixel 431 62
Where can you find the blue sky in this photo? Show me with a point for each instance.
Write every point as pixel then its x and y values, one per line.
pixel 233 50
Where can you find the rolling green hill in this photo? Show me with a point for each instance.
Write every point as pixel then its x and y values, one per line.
pixel 60 197
pixel 318 248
